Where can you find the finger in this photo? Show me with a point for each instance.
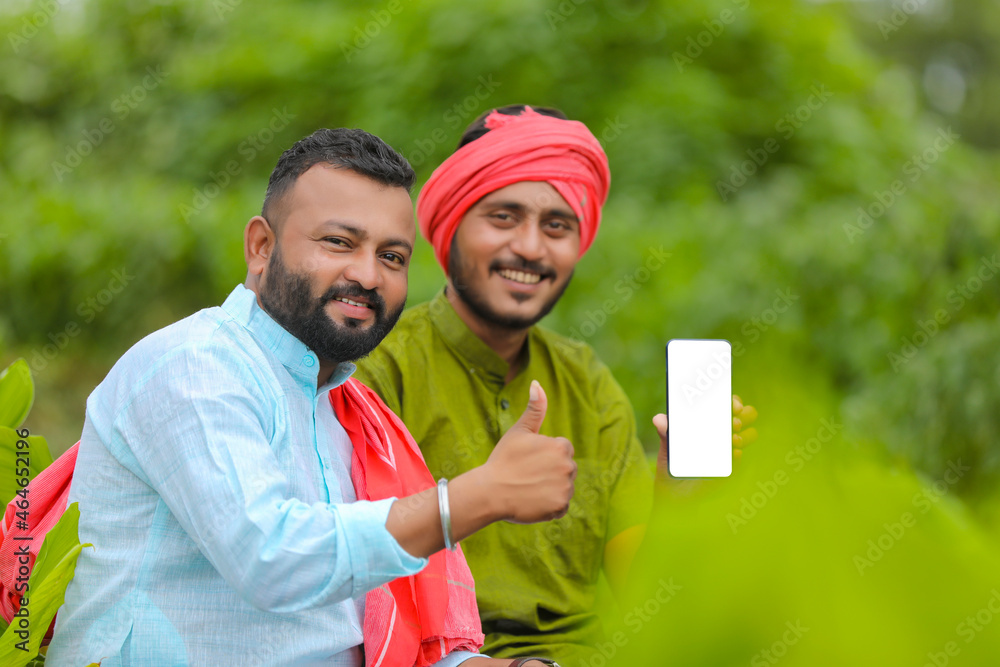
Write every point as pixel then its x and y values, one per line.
pixel 533 416
pixel 660 422
pixel 737 441
pixel 569 447
pixel 737 425
pixel 662 456
pixel 737 404
pixel 563 512
pixel 748 415
pixel 748 435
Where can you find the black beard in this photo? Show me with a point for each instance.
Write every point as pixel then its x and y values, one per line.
pixel 478 304
pixel 287 298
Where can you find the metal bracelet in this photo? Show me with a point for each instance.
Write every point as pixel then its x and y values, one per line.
pixel 444 507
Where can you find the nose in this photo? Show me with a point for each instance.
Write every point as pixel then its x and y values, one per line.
pixel 529 241
pixel 363 269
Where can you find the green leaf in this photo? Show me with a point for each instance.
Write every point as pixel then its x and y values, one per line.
pixel 17 392
pixel 52 572
pixel 38 455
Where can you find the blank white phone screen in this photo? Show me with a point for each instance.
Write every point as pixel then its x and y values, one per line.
pixel 700 408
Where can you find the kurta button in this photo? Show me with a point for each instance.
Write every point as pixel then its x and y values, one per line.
pixel 504 403
pixel 308 361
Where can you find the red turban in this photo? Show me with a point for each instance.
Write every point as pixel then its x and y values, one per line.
pixel 529 147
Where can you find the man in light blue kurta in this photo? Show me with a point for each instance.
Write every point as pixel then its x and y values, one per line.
pixel 186 570
pixel 214 478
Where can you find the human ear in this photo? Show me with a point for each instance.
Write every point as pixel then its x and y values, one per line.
pixel 258 244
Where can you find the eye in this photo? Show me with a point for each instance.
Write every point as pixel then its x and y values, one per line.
pixel 502 217
pixel 557 226
pixel 336 240
pixel 395 258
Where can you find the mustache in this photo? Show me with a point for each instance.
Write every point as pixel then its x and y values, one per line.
pixel 518 264
pixel 354 290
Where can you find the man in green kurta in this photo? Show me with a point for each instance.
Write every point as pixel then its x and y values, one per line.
pixel 535 585
pixel 459 377
pixel 509 214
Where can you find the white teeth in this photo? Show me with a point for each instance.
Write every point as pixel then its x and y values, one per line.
pixel 353 303
pixel 520 276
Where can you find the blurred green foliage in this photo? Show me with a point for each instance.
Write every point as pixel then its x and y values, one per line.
pixel 951 50
pixel 831 563
pixel 763 146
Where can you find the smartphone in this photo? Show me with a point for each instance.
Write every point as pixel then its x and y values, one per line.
pixel 700 408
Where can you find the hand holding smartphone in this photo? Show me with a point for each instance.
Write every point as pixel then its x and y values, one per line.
pixel 699 408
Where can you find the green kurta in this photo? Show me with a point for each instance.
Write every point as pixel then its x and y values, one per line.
pixel 535 584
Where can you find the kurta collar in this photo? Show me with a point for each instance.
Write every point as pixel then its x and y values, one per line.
pixel 477 356
pixel 301 362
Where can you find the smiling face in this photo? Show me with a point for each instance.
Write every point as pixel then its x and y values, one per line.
pixel 513 254
pixel 335 273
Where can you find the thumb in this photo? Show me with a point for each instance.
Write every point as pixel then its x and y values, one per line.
pixel 660 422
pixel 534 414
pixel 662 456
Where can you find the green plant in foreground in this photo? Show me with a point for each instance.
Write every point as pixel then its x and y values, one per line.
pixel 17 393
pixel 56 562
pixel 51 575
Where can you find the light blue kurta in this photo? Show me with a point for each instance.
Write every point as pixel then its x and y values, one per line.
pixel 213 480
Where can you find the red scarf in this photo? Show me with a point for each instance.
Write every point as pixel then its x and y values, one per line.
pixel 414 620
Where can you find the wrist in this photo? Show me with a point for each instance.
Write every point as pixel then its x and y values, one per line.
pixel 474 502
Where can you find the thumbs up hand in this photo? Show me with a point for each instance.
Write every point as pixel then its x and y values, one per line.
pixel 528 478
pixel 533 474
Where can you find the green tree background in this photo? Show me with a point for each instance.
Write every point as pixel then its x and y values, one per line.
pixel 798 161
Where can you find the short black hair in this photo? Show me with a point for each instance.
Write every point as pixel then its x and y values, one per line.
pixel 352 149
pixel 478 127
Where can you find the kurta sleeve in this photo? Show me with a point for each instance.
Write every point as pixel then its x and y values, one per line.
pixel 197 429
